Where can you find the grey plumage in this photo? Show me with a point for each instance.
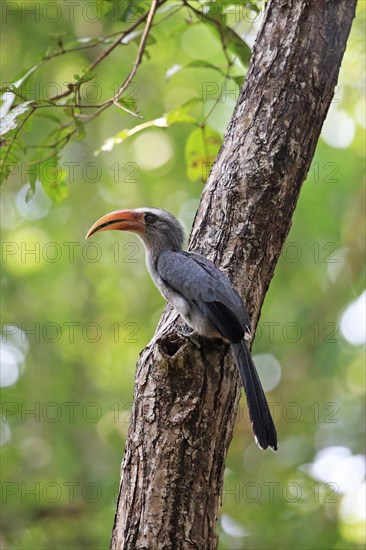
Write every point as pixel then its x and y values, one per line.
pixel 204 297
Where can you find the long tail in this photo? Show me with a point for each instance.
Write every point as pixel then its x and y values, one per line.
pixel 263 426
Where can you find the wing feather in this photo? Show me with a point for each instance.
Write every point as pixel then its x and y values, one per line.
pixel 201 282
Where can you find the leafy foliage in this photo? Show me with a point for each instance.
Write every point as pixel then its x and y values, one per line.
pixel 77 108
pixel 201 149
pixel 76 314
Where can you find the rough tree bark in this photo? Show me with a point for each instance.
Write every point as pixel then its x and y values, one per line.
pixel 186 398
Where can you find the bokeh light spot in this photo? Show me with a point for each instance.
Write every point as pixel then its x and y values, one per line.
pixel 152 150
pixel 339 129
pixel 353 321
pixel 269 370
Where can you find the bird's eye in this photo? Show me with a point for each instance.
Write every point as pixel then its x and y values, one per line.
pixel 150 218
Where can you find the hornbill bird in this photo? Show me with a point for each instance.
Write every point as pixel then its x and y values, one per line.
pixel 203 296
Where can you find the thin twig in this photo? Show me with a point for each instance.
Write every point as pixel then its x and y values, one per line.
pixel 145 34
pixel 215 22
pixel 97 42
pixel 126 110
pixel 226 76
pixel 75 87
pixel 114 100
pixel 104 54
pixel 64 105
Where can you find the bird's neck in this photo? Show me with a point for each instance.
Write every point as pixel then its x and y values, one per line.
pixel 152 254
pixel 152 257
pixel 153 249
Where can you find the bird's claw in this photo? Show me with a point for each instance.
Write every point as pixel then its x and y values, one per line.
pixel 191 335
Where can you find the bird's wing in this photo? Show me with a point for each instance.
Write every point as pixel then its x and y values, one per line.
pixel 199 281
pixel 236 302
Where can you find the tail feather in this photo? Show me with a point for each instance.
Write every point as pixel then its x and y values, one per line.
pixel 263 426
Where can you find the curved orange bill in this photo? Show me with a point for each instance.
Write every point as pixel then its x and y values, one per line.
pixel 124 220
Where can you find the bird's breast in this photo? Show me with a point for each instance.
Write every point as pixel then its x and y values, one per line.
pixel 190 313
pixel 186 308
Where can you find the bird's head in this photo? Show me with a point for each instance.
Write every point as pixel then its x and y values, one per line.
pixel 158 229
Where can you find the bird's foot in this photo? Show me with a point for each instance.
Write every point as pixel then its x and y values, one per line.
pixel 191 335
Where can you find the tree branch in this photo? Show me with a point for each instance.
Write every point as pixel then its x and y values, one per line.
pixel 145 34
pixel 103 55
pixel 186 398
pixel 75 87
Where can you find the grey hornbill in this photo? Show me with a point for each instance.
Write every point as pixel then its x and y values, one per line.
pixel 203 296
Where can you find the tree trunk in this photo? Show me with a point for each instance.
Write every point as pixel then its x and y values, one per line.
pixel 186 397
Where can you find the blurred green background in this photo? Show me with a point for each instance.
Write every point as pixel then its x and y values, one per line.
pixel 75 315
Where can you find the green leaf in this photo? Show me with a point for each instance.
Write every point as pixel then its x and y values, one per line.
pixel 197 64
pixel 50 116
pixel 238 80
pixel 177 115
pixel 214 10
pixel 204 64
pixel 6 168
pixel 201 149
pixel 104 6
pixel 7 88
pixel 180 114
pixel 85 77
pixel 29 194
pixel 231 41
pixel 254 5
pixel 53 179
pixel 81 133
pixel 58 134
pixel 129 102
pixel 128 132
pixel 129 11
pixel 33 175
pixel 239 47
